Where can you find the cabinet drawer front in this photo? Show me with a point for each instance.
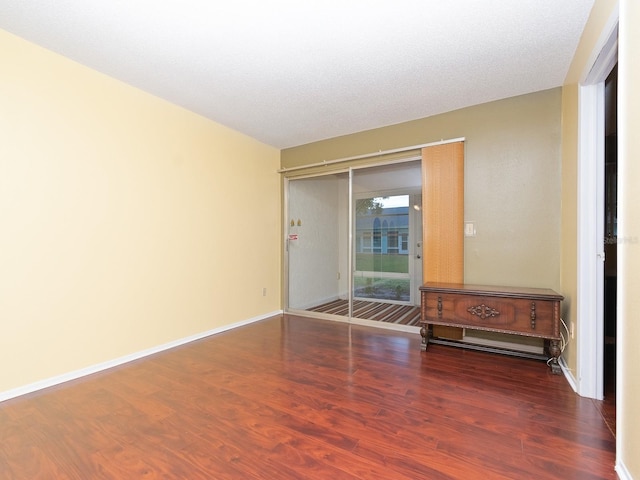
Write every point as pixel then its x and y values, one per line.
pixel 492 313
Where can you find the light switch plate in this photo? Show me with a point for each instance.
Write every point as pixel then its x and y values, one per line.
pixel 469 229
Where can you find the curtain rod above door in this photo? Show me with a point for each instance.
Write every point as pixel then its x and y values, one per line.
pixel 369 155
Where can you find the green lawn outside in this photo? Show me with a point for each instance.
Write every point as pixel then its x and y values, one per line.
pixel 375 262
pixel 382 288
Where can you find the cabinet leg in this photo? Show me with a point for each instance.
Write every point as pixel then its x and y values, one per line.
pixel 554 352
pixel 424 333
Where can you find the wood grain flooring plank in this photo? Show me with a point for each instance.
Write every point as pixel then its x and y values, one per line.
pixel 300 398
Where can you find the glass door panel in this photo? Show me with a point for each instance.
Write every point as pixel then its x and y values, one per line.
pixel 382 240
pixel 387 225
pixel 317 240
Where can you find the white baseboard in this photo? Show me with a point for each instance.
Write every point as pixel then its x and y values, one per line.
pixel 316 302
pixel 50 382
pixel 621 470
pixel 386 325
pixel 567 374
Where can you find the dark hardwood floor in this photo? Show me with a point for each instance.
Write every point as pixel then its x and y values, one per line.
pixel 299 398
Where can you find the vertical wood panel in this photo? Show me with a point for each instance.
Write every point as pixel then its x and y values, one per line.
pixel 443 218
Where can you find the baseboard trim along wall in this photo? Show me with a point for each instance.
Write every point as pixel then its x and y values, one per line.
pixel 66 377
pixel 567 374
pixel 622 471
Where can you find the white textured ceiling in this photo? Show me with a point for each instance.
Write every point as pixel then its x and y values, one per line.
pixel 289 72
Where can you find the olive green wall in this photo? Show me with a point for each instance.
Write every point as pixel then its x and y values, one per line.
pixel 512 181
pixel 569 242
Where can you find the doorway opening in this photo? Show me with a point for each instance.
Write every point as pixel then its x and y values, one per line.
pixel 591 217
pixel 610 242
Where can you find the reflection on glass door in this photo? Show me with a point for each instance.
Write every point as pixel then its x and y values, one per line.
pixel 383 253
pixel 317 238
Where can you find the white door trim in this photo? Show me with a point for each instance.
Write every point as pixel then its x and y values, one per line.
pixel 590 288
pixel 590 308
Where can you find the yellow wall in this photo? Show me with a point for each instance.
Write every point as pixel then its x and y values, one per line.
pixel 628 415
pixel 127 222
pixel 512 181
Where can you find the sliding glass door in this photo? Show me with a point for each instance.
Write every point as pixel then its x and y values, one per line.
pixel 354 235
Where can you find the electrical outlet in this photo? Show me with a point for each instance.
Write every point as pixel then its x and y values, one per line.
pixel 264 291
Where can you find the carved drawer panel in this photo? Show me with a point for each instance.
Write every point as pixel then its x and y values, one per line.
pixel 529 317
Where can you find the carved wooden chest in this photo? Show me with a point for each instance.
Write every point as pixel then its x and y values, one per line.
pixel 533 312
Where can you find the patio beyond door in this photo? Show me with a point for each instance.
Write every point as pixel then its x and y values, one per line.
pixel 386 247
